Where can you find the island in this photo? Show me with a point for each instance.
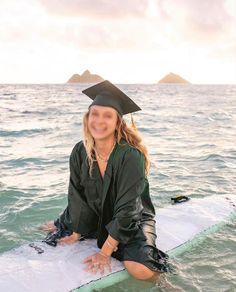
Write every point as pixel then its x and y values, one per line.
pixel 86 77
pixel 173 78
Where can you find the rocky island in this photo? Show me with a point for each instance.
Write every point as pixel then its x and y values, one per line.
pixel 86 77
pixel 173 78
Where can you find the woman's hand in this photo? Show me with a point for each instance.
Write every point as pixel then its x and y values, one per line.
pixel 98 262
pixel 69 239
pixel 48 227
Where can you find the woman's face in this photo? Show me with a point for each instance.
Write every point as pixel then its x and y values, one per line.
pixel 102 121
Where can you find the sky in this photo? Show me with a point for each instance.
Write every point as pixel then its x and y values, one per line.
pixel 131 41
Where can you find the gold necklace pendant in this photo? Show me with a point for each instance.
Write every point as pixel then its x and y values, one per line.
pixel 101 158
pixel 107 158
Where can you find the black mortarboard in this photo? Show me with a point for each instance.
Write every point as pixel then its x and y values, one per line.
pixel 107 94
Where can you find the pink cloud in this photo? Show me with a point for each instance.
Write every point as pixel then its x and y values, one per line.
pixel 127 36
pixel 98 9
pixel 199 20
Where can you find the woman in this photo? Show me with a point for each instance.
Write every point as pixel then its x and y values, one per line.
pixel 109 192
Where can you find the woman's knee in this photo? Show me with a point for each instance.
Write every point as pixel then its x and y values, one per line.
pixel 140 272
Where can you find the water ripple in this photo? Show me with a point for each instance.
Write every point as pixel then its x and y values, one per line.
pixel 22 133
pixel 190 133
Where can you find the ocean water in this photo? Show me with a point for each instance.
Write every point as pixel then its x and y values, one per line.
pixel 190 131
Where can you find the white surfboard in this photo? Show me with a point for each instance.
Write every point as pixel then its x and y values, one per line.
pixel 61 269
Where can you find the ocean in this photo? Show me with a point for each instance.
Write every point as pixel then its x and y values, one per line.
pixel 190 131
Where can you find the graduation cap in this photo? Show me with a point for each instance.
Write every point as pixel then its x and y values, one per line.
pixel 107 94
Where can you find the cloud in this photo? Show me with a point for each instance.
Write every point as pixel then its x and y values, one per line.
pixel 103 9
pixel 132 35
pixel 202 20
pixel 153 24
pixel 116 25
pixel 160 33
pixel 20 21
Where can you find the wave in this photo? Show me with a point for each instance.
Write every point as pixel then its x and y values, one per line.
pixel 20 162
pixel 29 132
pixel 212 157
pixel 34 112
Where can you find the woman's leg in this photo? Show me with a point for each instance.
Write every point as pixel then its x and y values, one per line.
pixel 140 272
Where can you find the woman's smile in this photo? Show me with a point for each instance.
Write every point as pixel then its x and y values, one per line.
pixel 97 131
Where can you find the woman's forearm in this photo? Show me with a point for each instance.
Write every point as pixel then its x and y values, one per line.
pixel 109 246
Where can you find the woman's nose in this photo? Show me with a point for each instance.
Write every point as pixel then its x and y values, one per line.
pixel 100 120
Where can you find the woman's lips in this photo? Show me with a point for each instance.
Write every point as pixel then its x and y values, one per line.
pixel 98 130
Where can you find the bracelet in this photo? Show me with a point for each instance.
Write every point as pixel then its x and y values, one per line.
pixel 114 248
pixel 103 254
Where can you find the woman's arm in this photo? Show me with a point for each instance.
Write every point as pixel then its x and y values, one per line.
pixel 78 217
pixel 109 246
pixel 131 187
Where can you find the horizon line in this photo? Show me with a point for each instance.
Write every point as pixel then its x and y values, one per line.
pixel 123 83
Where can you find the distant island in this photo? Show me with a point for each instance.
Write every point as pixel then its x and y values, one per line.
pixel 86 77
pixel 172 78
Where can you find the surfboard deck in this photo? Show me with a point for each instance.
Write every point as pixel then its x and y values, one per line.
pixel 62 268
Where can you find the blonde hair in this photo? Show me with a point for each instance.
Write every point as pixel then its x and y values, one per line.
pixel 123 131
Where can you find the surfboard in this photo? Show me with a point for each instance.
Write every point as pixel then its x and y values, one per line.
pixel 39 267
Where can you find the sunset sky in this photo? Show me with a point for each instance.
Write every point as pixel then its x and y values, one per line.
pixel 131 41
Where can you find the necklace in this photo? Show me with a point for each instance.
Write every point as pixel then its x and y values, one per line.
pixel 107 158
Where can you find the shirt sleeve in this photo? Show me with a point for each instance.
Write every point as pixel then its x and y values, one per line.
pixel 78 216
pixel 128 204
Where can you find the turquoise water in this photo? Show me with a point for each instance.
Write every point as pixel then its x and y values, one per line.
pixel 190 131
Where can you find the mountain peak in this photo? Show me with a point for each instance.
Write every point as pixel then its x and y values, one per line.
pixel 173 78
pixel 86 73
pixel 86 77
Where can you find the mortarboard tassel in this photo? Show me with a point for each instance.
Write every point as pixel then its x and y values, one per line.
pixel 132 122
